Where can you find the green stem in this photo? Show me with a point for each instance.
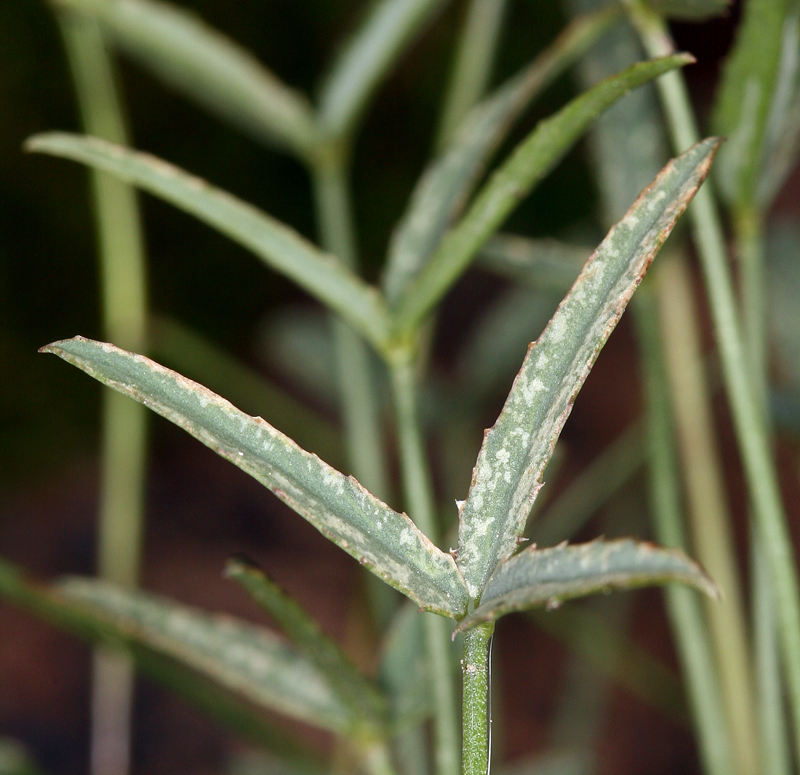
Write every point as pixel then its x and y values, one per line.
pixel 707 505
pixel 419 497
pixel 476 710
pixel 683 607
pixel 749 421
pixel 123 282
pixel 364 442
pixel 774 743
pixel 472 67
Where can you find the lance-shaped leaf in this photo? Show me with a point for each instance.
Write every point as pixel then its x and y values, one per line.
pixel 388 543
pixel 515 451
pixel 208 67
pixel 532 159
pixel 547 577
pixel 445 186
pixel 366 59
pixel 280 247
pixel 352 687
pixel 537 263
pixel 246 660
pixel 747 93
pixel 404 670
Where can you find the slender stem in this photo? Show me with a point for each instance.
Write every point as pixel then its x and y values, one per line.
pixel 124 453
pixel 707 505
pixel 419 497
pixel 364 442
pixel 749 421
pixel 683 607
pixel 472 67
pixel 774 743
pixel 476 710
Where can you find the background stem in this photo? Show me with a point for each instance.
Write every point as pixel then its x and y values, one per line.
pixel 124 309
pixel 751 429
pixel 683 607
pixel 419 497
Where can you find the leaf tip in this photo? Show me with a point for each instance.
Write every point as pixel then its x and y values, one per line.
pixel 239 564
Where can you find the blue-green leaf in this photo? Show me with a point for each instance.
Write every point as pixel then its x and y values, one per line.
pixel 388 543
pixel 532 159
pixel 280 247
pixel 547 577
pixel 208 67
pixel 515 451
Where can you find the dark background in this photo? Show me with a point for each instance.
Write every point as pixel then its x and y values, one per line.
pixel 200 509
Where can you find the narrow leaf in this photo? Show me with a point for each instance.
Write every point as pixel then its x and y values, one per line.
pixel 404 670
pixel 208 67
pixel 515 451
pixel 745 97
pixel 366 59
pixel 388 543
pixel 247 659
pixel 352 687
pixel 445 186
pixel 242 658
pixel 533 158
pixel 547 577
pixel 537 263
pixel 276 244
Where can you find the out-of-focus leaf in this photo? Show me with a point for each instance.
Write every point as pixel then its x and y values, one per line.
pixel 208 67
pixel 592 488
pixel 783 155
pixel 188 352
pixel 297 341
pixel 783 251
pixel 283 249
pixel 14 759
pixel 367 57
pixel 537 263
pixel 352 687
pixel 690 10
pixel 404 669
pixel 515 451
pixel 446 185
pixel 241 657
pixel 547 577
pixel 386 542
pixel 532 159
pixel 490 356
pixel 747 94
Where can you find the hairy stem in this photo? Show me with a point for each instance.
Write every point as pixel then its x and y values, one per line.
pixel 476 709
pixel 419 497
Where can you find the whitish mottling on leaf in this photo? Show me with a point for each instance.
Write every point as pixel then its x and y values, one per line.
pixel 547 577
pixel 507 475
pixel 387 543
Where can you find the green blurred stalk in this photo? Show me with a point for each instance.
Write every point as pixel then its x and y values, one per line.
pixel 122 276
pixel 476 711
pixel 364 442
pixel 776 759
pixel 749 420
pixel 421 506
pixel 709 515
pixel 472 66
pixel 683 607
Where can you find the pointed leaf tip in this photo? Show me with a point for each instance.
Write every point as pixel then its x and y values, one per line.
pixel 515 451
pixel 387 542
pixel 547 577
